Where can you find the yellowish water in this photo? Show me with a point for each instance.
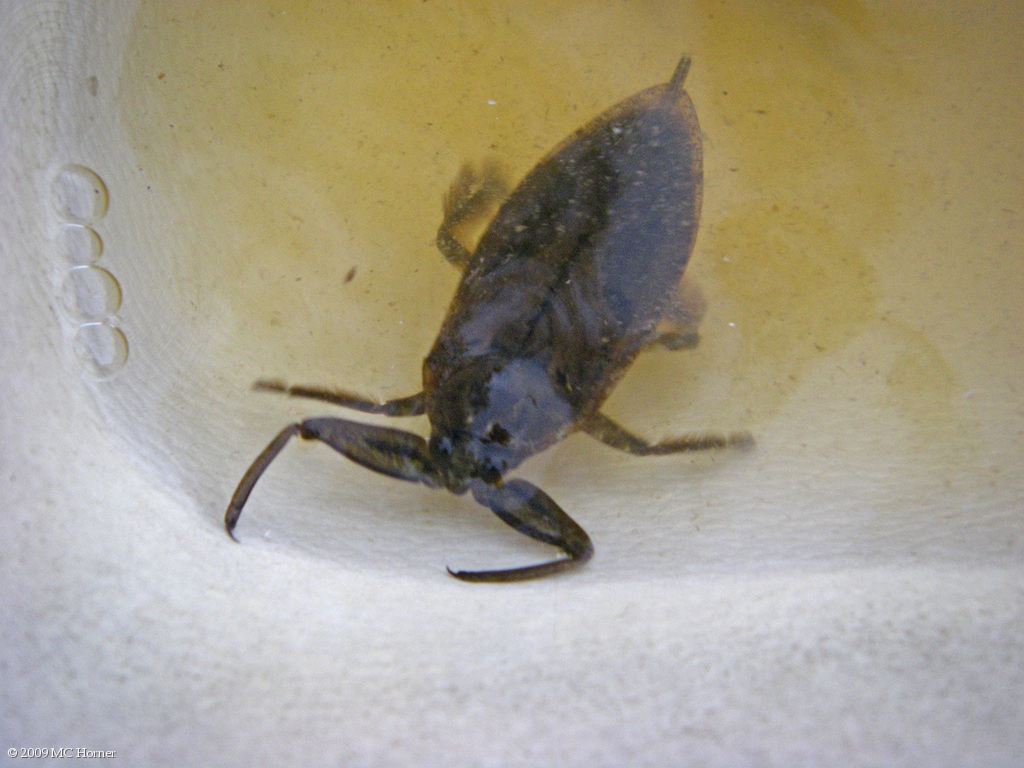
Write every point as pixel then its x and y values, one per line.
pixel 862 200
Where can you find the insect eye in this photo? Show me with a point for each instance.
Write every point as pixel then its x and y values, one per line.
pixel 490 475
pixel 497 434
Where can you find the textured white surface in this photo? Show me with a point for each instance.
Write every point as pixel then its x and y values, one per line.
pixel 833 598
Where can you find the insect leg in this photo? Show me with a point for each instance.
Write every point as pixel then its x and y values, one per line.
pixel 252 474
pixel 674 340
pixel 610 433
pixel 389 451
pixel 679 324
pixel 414 405
pixel 468 199
pixel 531 511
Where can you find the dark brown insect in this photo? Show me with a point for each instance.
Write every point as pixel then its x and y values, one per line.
pixel 567 285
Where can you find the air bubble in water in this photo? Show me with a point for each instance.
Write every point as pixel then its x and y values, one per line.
pixel 101 348
pixel 80 195
pixel 91 293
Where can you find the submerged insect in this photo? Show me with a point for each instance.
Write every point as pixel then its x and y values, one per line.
pixel 578 271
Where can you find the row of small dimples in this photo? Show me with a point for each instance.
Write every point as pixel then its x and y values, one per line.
pixel 90 294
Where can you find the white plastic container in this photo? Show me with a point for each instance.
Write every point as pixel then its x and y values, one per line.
pixel 186 189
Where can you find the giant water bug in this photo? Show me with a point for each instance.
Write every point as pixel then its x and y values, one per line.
pixel 579 270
